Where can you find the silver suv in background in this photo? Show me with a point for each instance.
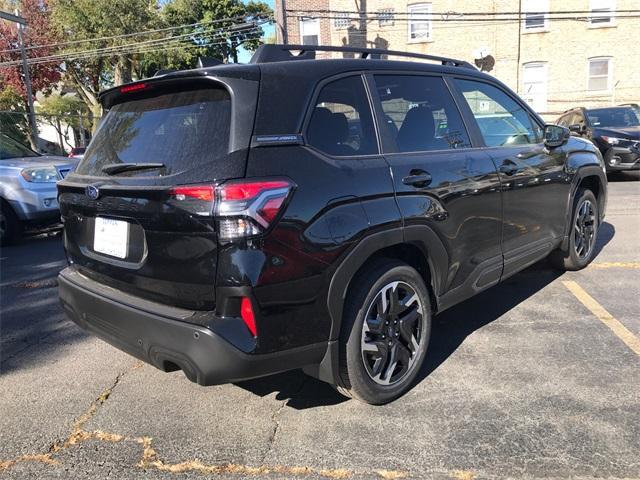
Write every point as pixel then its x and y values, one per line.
pixel 28 196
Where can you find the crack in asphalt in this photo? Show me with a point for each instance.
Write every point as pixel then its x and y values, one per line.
pixel 150 460
pixel 276 422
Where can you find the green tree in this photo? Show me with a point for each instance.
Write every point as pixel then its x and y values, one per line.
pixel 64 113
pixel 13 120
pixel 91 19
pixel 225 25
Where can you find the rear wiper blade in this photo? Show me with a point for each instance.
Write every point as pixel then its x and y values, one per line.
pixel 114 168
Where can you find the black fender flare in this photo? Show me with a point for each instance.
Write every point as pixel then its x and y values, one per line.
pixel 421 236
pixel 581 165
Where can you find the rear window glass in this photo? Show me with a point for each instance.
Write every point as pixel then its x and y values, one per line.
pixel 179 130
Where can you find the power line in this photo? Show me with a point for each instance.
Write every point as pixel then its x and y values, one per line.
pixel 462 13
pixel 127 35
pixel 133 47
pixel 424 17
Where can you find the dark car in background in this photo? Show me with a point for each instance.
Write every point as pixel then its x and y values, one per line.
pixel 614 130
pixel 242 220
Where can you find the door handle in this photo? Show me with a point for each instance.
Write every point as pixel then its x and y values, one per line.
pixel 417 178
pixel 508 167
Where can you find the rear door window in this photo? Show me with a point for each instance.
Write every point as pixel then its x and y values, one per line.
pixel 180 130
pixel 420 113
pixel 341 123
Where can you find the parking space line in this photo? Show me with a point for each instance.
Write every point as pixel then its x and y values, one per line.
pixel 632 265
pixel 605 317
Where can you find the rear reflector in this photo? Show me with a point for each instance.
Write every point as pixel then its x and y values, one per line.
pixel 246 312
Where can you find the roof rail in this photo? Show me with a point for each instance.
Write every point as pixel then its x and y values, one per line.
pixel 282 53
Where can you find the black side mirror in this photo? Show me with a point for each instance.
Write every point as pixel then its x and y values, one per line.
pixel 555 136
pixel 576 128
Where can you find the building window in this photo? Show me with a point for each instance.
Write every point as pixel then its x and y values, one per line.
pixel 310 31
pixel 535 15
pixel 386 17
pixel 599 74
pixel 601 12
pixel 534 85
pixel 420 22
pixel 342 20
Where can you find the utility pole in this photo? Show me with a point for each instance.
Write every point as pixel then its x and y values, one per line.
pixel 21 22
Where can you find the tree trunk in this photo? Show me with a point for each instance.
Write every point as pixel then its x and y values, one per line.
pixel 123 69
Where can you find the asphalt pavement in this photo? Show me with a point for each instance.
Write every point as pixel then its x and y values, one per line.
pixel 538 377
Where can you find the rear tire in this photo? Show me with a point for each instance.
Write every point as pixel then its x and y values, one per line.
pixel 585 221
pixel 385 332
pixel 10 225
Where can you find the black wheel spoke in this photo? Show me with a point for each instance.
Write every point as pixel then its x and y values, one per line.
pixel 585 229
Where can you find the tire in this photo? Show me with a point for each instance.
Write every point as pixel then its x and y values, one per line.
pixel 368 349
pixel 10 225
pixel 585 221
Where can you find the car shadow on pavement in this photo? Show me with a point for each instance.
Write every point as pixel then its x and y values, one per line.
pixel 449 330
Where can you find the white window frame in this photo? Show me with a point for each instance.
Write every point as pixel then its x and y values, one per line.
pixel 609 61
pixel 424 10
pixel 603 9
pixel 341 21
pixel 308 21
pixel 386 17
pixel 538 100
pixel 531 6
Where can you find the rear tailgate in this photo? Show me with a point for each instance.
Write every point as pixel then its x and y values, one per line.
pixel 148 229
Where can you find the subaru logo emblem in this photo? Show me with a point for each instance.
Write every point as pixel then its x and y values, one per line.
pixel 92 192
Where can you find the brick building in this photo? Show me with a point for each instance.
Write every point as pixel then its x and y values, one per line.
pixel 560 54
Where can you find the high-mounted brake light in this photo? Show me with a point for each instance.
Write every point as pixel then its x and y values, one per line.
pixel 247 208
pixel 133 88
pixel 246 312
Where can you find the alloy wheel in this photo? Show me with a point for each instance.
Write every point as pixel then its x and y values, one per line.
pixel 392 333
pixel 584 229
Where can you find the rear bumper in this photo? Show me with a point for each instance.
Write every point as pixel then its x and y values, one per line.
pixel 161 336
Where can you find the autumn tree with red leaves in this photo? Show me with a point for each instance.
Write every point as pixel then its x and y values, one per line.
pixel 38 32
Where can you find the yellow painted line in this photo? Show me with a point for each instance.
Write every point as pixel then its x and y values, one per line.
pixel 632 265
pixel 605 317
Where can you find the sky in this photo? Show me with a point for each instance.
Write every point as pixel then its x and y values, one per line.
pixel 243 55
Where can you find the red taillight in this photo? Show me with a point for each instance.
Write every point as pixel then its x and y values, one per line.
pixel 198 192
pixel 245 191
pixel 247 208
pixel 246 312
pixel 196 199
pixel 133 88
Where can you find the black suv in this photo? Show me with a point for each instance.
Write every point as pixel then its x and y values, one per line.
pixel 241 220
pixel 614 130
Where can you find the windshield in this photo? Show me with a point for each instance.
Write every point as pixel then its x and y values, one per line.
pixel 613 117
pixel 9 149
pixel 178 130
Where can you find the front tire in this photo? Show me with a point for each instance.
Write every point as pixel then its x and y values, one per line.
pixel 583 234
pixel 10 226
pixel 385 332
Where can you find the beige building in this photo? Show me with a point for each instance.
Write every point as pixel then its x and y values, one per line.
pixel 555 54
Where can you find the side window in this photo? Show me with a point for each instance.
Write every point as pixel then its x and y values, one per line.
pixel 566 120
pixel 420 113
pixel 502 121
pixel 341 123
